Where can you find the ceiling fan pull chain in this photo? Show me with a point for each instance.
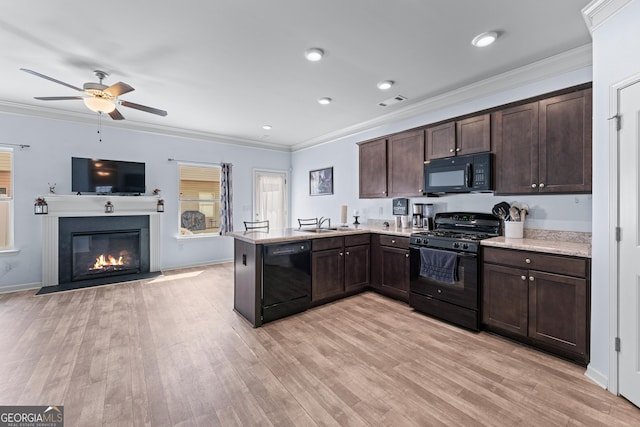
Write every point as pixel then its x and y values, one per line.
pixel 99 127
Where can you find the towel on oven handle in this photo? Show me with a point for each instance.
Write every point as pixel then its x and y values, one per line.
pixel 438 265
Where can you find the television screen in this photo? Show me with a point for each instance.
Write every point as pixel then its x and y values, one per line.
pixel 107 176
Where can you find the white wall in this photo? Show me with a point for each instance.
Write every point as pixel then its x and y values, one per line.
pixel 550 212
pixel 54 142
pixel 615 47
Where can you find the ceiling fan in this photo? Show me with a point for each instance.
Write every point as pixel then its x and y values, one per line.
pixel 98 97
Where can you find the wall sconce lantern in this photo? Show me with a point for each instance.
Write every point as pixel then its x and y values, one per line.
pixel 40 207
pixel 160 205
pixel 108 207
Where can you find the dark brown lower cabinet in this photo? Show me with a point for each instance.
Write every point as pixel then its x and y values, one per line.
pixel 390 266
pixel 540 299
pixel 339 265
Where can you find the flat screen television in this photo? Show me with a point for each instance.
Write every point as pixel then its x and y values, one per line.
pixel 107 176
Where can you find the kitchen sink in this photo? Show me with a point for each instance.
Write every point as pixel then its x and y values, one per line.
pixel 318 230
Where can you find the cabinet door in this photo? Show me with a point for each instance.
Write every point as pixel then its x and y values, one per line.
pixel 565 143
pixel 473 135
pixel 516 145
pixel 373 169
pixel 395 271
pixel 558 311
pixel 406 164
pixel 356 267
pixel 441 141
pixel 327 274
pixel 504 298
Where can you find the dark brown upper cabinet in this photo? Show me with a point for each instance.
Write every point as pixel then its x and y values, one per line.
pixel 545 146
pixel 467 136
pixel 373 169
pixel 405 165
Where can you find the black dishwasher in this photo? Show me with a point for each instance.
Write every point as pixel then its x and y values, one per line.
pixel 286 279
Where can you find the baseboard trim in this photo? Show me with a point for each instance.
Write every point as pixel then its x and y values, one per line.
pixel 597 377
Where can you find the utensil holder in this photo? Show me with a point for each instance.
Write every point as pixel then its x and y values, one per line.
pixel 514 229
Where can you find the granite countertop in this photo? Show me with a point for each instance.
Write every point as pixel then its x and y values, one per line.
pixel 561 247
pixel 284 235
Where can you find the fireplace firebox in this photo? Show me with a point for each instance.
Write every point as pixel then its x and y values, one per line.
pixel 99 248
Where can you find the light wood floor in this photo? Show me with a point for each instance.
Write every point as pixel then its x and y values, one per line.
pixel 171 351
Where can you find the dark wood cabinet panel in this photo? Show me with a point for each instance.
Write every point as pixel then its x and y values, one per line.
pixel 405 164
pixel 516 143
pixel 538 305
pixel 327 274
pixel 473 135
pixel 395 271
pixel 441 141
pixel 356 267
pixel 505 298
pixel 558 311
pixel 373 169
pixel 545 146
pixel 565 143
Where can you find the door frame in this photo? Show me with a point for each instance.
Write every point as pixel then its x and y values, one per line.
pixel 614 222
pixel 287 195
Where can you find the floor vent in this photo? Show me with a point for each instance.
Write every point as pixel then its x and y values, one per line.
pixel 391 101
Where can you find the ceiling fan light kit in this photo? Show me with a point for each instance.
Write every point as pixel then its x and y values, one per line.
pixel 98 97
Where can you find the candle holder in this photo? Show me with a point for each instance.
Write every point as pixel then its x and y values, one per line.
pixel 40 207
pixel 356 221
pixel 108 207
pixel 160 205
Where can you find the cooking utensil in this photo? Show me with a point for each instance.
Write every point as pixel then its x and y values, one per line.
pixel 501 210
pixel 514 213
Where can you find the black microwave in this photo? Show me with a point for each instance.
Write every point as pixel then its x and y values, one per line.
pixel 461 174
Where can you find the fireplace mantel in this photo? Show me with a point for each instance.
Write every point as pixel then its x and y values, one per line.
pixel 89 205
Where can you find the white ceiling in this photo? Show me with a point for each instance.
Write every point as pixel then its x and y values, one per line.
pixel 227 67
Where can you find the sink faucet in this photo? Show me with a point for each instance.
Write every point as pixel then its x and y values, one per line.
pixel 323 220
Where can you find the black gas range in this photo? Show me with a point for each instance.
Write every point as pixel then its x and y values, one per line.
pixel 451 247
pixel 458 231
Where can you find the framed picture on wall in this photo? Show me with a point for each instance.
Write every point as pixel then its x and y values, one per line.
pixel 321 182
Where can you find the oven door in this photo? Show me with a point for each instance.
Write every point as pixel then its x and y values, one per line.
pixel 463 293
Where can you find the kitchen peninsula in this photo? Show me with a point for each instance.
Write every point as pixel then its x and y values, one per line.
pixel 338 264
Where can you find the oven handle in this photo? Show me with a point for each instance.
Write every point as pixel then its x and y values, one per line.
pixel 460 254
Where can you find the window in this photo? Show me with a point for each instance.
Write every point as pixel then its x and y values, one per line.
pixel 6 198
pixel 199 200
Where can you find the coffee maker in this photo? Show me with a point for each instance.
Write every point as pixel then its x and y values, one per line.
pixel 418 215
pixel 428 216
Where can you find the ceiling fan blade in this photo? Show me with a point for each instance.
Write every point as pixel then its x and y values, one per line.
pixel 51 79
pixel 56 98
pixel 143 108
pixel 118 89
pixel 115 115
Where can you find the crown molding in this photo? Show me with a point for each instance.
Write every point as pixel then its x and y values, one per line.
pixel 565 62
pixel 598 12
pixel 90 119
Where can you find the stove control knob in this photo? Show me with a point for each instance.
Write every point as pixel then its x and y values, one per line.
pixel 465 246
pixel 418 240
pixel 456 245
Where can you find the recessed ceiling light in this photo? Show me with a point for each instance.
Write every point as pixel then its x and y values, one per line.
pixel 484 39
pixel 267 127
pixel 314 54
pixel 324 101
pixel 385 84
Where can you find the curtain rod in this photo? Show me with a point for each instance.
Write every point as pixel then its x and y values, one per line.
pixel 194 161
pixel 22 146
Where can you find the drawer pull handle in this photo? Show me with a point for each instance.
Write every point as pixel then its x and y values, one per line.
pixel 406 255
pixel 393 241
pixel 527 260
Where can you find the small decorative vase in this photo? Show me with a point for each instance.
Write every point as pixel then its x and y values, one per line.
pixel 40 207
pixel 108 207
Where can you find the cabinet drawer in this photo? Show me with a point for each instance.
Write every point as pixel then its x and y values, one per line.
pixel 327 243
pixel 359 239
pixel 571 266
pixel 394 241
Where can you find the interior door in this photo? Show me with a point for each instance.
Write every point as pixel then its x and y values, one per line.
pixel 271 198
pixel 629 273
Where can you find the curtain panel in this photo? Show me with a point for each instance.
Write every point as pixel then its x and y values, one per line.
pixel 226 199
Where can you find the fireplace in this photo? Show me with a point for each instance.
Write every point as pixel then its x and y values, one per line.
pixel 99 248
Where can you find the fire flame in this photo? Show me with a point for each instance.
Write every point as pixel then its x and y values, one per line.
pixel 103 261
